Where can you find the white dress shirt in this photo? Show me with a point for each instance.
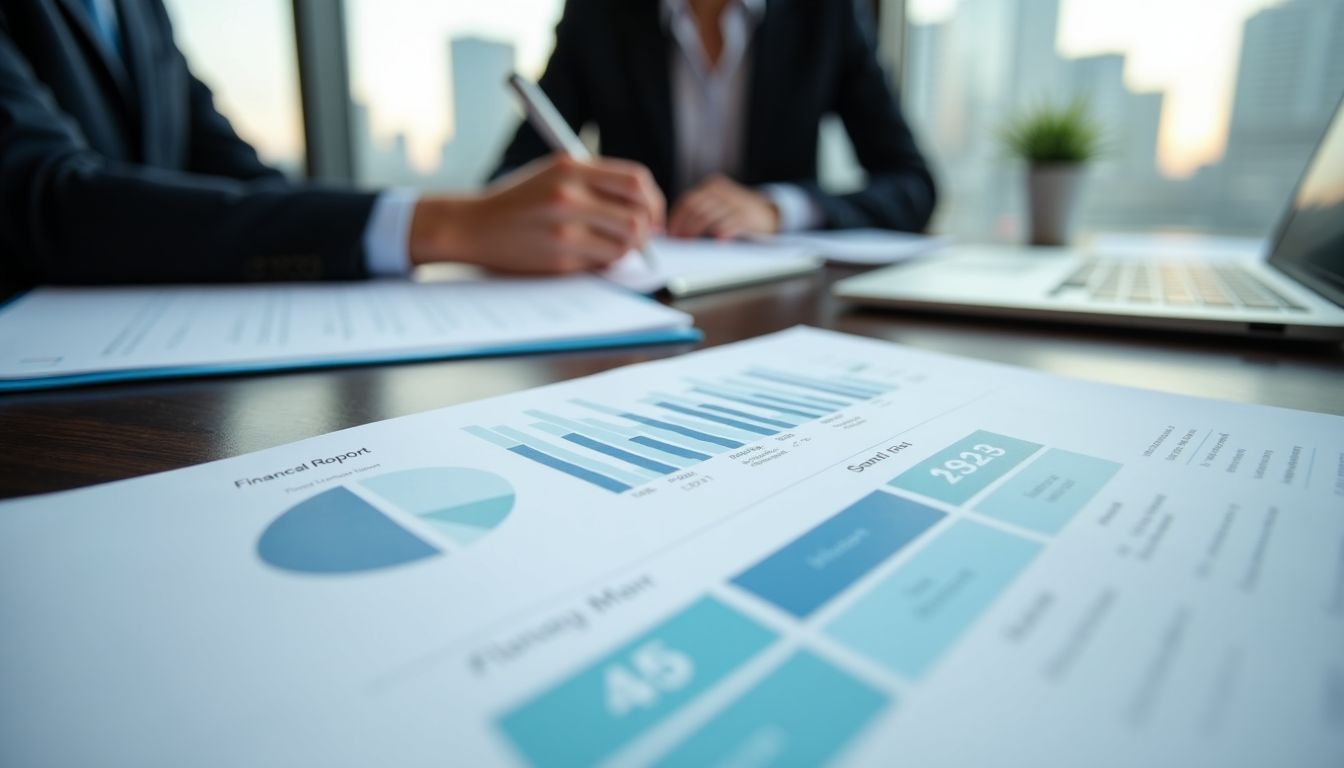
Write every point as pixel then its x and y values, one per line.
pixel 709 104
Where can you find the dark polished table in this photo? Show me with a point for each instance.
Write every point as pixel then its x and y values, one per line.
pixel 53 441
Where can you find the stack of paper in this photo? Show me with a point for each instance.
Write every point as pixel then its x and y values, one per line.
pixel 54 337
pixel 863 246
pixel 688 267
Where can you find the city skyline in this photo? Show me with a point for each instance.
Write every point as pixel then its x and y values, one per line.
pixel 258 87
pixel 1195 72
pixel 1020 52
pixel 970 73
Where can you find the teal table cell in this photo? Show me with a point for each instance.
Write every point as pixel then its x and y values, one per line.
pixel 1047 493
pixel 966 467
pixel 809 571
pixel 607 704
pixel 802 714
pixel 909 620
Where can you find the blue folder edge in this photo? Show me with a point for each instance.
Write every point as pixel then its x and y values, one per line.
pixel 688 334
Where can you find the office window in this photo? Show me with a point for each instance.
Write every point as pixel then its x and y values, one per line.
pixel 429 106
pixel 1211 109
pixel 244 50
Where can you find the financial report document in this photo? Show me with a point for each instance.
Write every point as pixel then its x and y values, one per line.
pixel 806 548
pixel 53 333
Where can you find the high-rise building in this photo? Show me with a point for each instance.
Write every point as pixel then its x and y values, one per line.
pixel 483 110
pixel 375 161
pixel 924 50
pixel 995 59
pixel 1289 79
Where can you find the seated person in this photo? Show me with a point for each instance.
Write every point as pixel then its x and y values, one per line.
pixel 723 100
pixel 116 167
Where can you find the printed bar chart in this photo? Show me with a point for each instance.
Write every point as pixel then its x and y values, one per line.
pixel 618 448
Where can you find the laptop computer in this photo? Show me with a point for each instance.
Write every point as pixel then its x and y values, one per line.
pixel 1298 291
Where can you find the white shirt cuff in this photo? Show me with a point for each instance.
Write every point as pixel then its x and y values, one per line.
pixel 797 210
pixel 388 231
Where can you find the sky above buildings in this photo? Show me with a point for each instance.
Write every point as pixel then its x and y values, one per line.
pixel 400 68
pixel 1187 48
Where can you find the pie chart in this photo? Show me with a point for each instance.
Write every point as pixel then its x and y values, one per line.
pixel 344 531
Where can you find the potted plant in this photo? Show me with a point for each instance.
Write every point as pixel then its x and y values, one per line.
pixel 1056 142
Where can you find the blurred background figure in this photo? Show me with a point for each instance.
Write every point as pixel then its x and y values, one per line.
pixel 723 100
pixel 115 166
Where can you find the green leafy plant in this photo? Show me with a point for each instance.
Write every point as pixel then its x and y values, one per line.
pixel 1055 134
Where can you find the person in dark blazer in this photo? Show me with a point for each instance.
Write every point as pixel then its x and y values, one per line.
pixel 116 167
pixel 723 100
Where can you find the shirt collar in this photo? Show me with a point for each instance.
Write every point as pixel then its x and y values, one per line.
pixel 671 9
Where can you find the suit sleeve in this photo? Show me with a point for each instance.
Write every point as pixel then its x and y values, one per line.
pixel 216 148
pixel 900 191
pixel 67 215
pixel 563 83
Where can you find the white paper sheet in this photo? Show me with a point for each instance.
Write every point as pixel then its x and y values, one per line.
pixel 806 547
pixel 863 246
pixel 55 331
pixel 687 267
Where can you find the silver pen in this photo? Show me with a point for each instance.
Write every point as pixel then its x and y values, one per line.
pixel 546 119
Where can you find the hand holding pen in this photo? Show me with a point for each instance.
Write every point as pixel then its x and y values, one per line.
pixel 548 122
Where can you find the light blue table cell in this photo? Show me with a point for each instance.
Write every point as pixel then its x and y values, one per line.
pixel 1047 493
pixel 966 467
pixel 909 620
pixel 605 705
pixel 801 715
pixel 807 572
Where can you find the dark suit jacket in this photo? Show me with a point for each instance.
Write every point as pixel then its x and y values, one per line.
pixel 811 57
pixel 122 171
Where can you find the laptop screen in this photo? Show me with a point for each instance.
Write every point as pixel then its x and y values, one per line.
pixel 1310 245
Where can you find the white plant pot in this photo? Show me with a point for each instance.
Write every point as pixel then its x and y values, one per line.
pixel 1052 195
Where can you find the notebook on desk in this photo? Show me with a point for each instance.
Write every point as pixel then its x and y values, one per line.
pixel 692 267
pixel 1298 291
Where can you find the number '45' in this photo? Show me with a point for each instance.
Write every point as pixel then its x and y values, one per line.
pixel 654 670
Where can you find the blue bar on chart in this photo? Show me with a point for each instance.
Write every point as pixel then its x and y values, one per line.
pixel 806 411
pixel 685 453
pixel 806 573
pixel 966 467
pixel 749 416
pixel 806 399
pixel 663 441
pixel 613 441
pixel 665 426
pixel 737 424
pixel 803 713
pixel 914 616
pixel 1047 493
pixel 604 706
pixel 557 459
pixel 826 387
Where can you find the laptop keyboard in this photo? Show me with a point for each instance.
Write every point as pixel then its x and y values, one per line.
pixel 1174 284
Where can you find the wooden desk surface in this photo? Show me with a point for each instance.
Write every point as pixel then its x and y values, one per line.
pixel 53 441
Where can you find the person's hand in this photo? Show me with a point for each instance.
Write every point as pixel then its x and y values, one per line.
pixel 720 207
pixel 555 215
